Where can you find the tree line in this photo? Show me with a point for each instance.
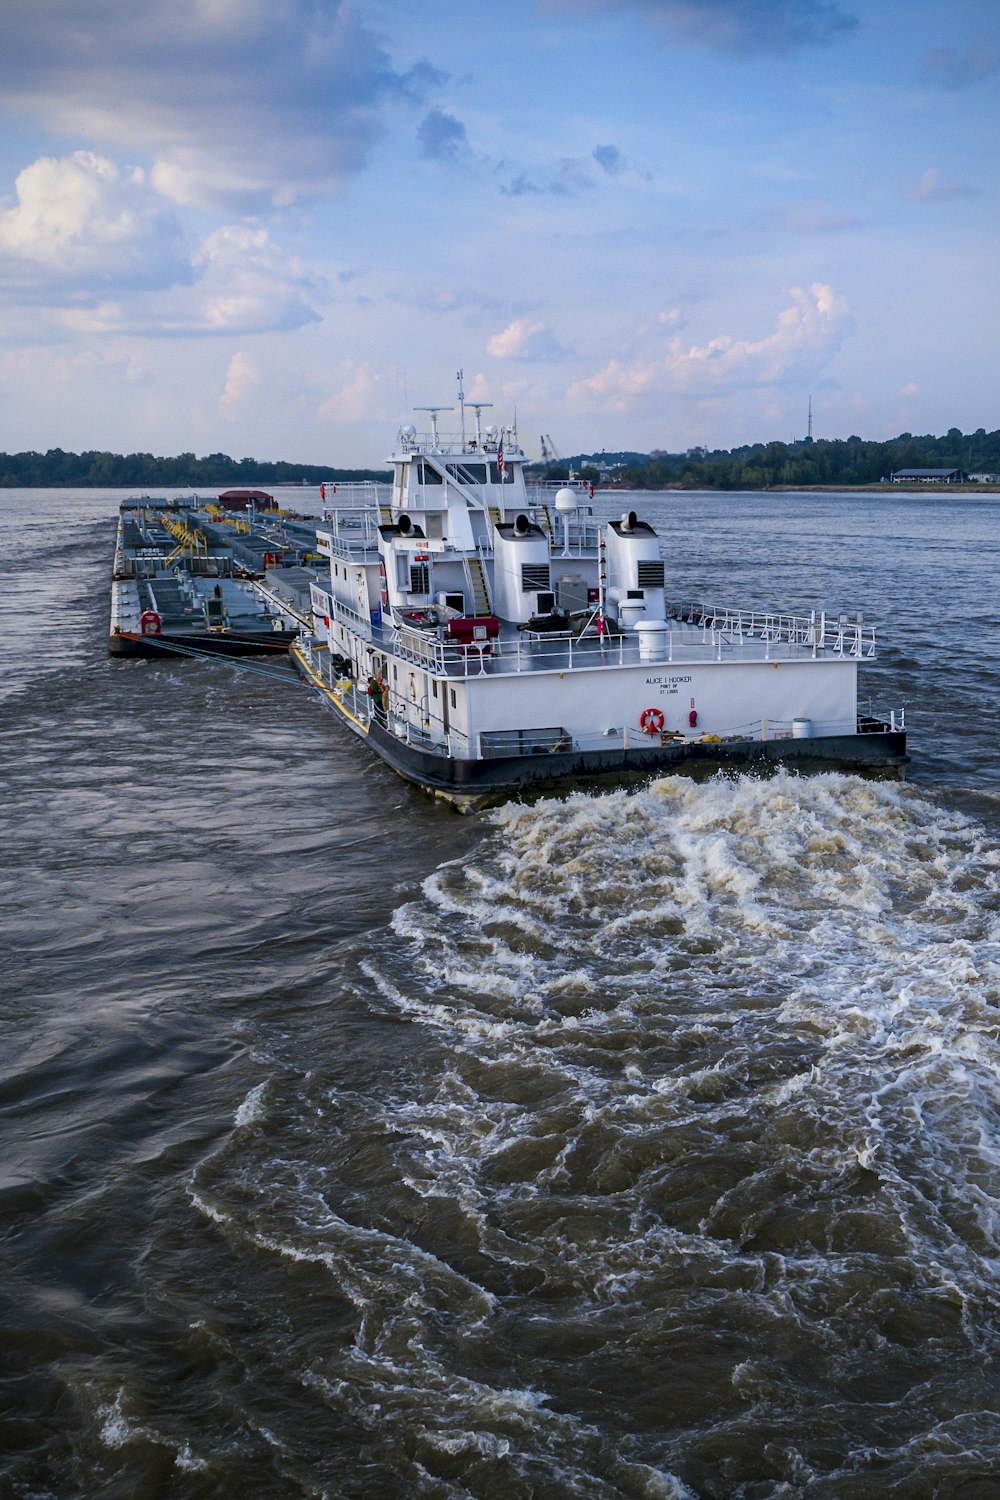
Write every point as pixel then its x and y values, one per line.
pixel 819 461
pixel 56 469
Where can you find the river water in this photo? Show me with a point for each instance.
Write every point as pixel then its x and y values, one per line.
pixel 642 1144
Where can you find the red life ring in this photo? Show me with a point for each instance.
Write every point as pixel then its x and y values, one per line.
pixel 651 720
pixel 150 622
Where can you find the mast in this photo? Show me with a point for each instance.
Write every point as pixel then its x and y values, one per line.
pixel 435 443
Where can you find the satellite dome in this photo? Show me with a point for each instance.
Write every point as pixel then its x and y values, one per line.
pixel 565 501
pixel 408 432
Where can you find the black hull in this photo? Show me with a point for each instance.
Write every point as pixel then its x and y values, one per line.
pixel 470 784
pixel 204 643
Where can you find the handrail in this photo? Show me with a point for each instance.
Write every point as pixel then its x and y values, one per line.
pixel 816 630
pixel 781 637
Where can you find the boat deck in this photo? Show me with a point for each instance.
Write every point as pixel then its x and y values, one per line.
pixel 204 575
pixel 730 635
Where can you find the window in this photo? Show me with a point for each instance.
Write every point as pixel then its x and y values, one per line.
pixel 434 687
pixel 468 473
pixel 508 477
pixel 534 576
pixel 651 575
pixel 427 475
pixel 454 700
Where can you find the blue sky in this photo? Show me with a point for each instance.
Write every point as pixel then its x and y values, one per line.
pixel 269 227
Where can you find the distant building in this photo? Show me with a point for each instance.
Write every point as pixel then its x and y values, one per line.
pixel 984 478
pixel 927 476
pixel 241 499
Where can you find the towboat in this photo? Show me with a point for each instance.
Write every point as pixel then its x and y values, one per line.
pixel 488 638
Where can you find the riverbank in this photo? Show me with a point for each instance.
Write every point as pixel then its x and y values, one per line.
pixel 805 489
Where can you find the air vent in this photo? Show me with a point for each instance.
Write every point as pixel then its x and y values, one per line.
pixel 534 576
pixel 651 575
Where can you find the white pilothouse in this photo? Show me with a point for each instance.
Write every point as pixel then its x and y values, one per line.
pixel 487 636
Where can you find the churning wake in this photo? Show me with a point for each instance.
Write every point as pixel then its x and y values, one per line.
pixel 689 1182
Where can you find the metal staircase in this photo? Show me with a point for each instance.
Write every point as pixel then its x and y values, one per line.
pixel 475 576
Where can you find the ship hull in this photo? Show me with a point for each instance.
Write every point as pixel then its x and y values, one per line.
pixel 473 784
pixel 470 785
pixel 202 643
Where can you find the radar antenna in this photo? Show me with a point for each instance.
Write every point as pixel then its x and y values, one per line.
pixel 479 407
pixel 434 420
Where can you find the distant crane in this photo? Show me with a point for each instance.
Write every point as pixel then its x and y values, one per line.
pixel 549 454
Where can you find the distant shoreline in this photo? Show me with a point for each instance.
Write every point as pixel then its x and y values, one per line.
pixel 801 489
pixel 611 489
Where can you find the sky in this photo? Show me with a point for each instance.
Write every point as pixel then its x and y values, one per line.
pixel 271 228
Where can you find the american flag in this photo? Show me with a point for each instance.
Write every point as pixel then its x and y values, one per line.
pixel 501 466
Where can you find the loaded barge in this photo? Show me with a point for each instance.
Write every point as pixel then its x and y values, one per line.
pixel 196 578
pixel 488 638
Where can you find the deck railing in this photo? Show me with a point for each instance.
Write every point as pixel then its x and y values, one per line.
pixel 353 528
pixel 842 634
pixel 778 637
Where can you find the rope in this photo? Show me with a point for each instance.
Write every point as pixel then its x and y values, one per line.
pixel 289 677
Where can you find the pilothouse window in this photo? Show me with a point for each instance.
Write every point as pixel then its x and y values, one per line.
pixel 427 475
pixel 508 474
pixel 468 473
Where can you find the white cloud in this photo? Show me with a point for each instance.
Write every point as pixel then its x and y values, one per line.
pixel 355 400
pixel 83 225
pixel 248 285
pixel 617 384
pixel 93 251
pixel 240 105
pixel 525 340
pixel 243 376
pixel 933 186
pixel 807 335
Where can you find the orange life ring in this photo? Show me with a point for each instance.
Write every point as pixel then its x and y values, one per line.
pixel 150 622
pixel 651 720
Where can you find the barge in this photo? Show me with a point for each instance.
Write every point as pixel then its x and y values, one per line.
pixel 196 578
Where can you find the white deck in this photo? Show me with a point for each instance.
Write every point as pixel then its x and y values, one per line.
pixel 720 635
